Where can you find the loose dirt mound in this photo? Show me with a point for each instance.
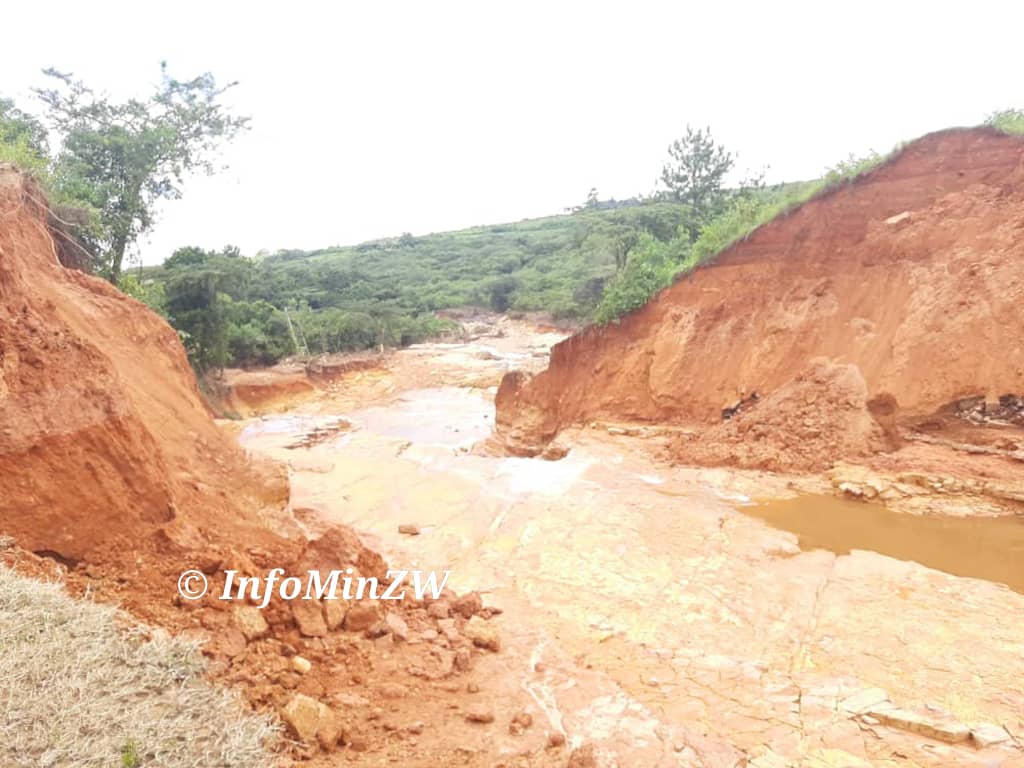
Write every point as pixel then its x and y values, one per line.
pixel 823 412
pixel 913 275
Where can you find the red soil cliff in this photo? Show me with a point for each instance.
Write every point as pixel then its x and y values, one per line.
pixel 905 285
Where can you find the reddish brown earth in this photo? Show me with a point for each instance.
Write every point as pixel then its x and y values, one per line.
pixel 287 384
pixel 855 318
pixel 115 478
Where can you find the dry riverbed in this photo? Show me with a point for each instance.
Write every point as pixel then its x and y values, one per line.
pixel 646 613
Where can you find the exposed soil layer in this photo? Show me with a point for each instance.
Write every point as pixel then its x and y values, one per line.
pixel 115 478
pixel 251 392
pixel 907 282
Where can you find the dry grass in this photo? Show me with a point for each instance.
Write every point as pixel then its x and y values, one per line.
pixel 78 689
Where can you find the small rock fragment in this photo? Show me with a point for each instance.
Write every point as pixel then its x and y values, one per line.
pixel 251 622
pixel 329 729
pixel 309 617
pixel 482 634
pixel 583 757
pixel 301 665
pixel 479 714
pixel 987 734
pixel 409 529
pixel 361 616
pixel 438 610
pixel 556 739
pixel 520 723
pixel 468 605
pixel 302 716
pixel 397 626
pixel 334 613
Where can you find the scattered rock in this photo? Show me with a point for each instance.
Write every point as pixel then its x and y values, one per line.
pixel 309 617
pixel 899 218
pixel 479 714
pixel 556 739
pixel 468 605
pixel 397 626
pixel 334 613
pixel 987 734
pixel 482 634
pixel 393 691
pixel 301 664
pixel 942 728
pixel 472 687
pixel 583 757
pixel 520 723
pixel 864 700
pixel 361 616
pixel 438 610
pixel 250 622
pixel 409 529
pixel 302 716
pixel 329 729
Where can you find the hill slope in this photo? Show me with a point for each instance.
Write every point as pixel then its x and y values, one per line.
pixel 908 282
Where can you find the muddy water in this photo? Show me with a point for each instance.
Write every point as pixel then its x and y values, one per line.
pixel 639 604
pixel 982 548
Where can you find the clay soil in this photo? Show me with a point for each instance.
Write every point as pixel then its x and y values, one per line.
pixel 844 330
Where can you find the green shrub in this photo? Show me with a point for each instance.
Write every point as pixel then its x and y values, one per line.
pixel 1008 121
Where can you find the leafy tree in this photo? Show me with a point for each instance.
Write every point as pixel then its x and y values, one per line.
pixel 199 288
pixel 695 172
pixel 22 138
pixel 123 158
pixel 650 269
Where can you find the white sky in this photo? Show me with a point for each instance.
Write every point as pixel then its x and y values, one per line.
pixel 375 118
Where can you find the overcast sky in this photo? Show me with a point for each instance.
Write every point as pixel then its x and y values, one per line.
pixel 376 118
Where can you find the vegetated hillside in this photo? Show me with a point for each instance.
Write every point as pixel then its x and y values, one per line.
pixel 231 310
pixel 555 264
pixel 902 290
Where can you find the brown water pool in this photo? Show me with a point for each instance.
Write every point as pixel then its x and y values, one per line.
pixel 989 548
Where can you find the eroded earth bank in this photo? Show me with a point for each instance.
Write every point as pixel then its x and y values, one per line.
pixel 616 598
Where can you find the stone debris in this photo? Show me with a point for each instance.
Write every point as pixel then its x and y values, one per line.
pixel 396 626
pixel 301 665
pixel 862 701
pixel 309 616
pixel 987 735
pixel 482 634
pixel 409 529
pixel 556 739
pixel 942 728
pixel 520 723
pixel 479 714
pixel 302 716
pixel 468 605
pixel 361 616
pixel 334 613
pixel 251 622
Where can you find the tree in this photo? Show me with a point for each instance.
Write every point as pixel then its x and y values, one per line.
pixel 199 288
pixel 22 138
pixel 695 172
pixel 123 158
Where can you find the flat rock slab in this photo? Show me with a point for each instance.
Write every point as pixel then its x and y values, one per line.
pixel 943 729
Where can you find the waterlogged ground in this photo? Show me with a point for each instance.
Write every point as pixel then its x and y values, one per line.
pixel 982 548
pixel 648 612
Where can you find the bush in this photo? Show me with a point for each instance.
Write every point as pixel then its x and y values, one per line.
pixel 1008 121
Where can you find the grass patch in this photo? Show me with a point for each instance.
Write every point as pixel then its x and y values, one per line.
pixel 79 689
